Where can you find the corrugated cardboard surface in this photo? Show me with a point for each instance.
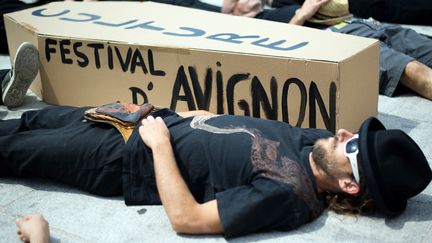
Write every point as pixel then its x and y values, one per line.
pixel 186 59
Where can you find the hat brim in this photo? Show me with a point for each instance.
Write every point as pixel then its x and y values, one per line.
pixel 369 164
pixel 330 20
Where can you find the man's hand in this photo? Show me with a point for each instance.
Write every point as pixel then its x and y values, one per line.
pixel 33 228
pixel 154 132
pixel 185 214
pixel 247 8
pixel 307 10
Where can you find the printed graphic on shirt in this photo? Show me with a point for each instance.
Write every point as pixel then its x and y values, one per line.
pixel 198 122
pixel 268 161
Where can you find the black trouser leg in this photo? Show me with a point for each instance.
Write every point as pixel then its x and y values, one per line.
pixel 416 12
pixel 57 144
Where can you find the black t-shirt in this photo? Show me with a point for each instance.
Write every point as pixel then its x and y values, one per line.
pixel 257 170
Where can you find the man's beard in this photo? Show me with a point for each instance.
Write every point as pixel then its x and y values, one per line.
pixel 324 159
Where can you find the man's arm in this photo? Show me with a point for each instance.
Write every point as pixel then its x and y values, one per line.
pixel 247 8
pixel 307 10
pixel 185 214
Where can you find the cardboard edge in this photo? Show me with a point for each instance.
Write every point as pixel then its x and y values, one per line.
pixel 360 83
pixel 31 27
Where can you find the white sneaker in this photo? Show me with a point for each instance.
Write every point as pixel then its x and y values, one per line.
pixel 24 70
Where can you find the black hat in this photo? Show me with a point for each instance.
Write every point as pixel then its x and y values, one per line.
pixel 393 165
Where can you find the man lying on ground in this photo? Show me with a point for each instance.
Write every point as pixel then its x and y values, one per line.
pixel 219 174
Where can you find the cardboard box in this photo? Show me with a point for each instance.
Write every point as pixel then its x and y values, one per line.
pixel 186 59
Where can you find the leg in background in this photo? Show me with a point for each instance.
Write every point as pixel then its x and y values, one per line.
pixel 24 70
pixel 418 77
pixel 417 74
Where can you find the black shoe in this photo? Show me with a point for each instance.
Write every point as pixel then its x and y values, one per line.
pixel 25 68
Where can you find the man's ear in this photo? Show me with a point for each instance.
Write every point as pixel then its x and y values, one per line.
pixel 349 186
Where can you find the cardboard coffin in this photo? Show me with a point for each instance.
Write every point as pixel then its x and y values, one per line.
pixel 99 52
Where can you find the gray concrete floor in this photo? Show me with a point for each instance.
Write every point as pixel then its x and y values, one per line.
pixel 76 216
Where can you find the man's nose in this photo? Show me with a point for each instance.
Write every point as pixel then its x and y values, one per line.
pixel 344 135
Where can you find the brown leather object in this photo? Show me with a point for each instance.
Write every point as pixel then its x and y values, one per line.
pixel 123 116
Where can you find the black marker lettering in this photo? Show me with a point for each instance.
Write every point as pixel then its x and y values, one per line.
pixel 153 71
pixel 48 49
pixel 124 63
pixel 244 106
pixel 314 95
pixel 135 91
pixel 110 58
pixel 96 48
pixel 285 99
pixel 181 81
pixel 202 98
pixel 137 60
pixel 230 89
pixel 219 92
pixel 64 51
pixel 84 59
pixel 259 96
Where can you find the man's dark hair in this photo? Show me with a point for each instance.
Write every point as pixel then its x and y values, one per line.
pixel 360 204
